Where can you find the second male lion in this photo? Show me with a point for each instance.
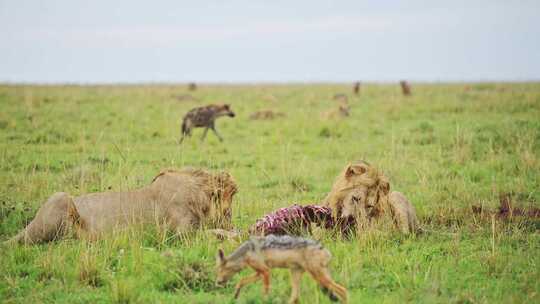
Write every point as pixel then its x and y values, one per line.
pixel 353 176
pixel 363 192
pixel 361 205
pixel 179 199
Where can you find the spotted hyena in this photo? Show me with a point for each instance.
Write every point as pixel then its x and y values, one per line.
pixel 205 117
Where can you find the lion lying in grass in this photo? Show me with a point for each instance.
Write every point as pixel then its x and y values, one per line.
pixel 179 199
pixel 363 192
pixel 360 195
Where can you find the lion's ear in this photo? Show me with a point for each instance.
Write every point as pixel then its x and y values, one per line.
pixel 354 170
pixel 384 185
pixel 349 171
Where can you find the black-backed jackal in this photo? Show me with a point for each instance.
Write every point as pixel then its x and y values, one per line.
pixel 296 253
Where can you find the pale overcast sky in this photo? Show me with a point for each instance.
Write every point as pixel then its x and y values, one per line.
pixel 268 41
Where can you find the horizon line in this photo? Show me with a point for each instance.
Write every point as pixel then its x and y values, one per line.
pixel 255 83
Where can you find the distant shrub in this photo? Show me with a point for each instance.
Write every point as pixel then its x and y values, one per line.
pixel 425 127
pixel 325 132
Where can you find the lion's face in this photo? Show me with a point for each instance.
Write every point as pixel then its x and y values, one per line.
pixel 355 203
pixel 352 177
pixel 367 201
pixel 360 188
pixel 225 189
pixel 219 189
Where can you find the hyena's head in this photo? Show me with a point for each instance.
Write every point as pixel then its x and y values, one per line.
pixel 224 110
pixel 226 268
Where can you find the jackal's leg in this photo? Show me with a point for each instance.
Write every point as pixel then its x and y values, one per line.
pixel 52 220
pixel 296 278
pixel 216 132
pixel 245 281
pixel 263 271
pixel 323 277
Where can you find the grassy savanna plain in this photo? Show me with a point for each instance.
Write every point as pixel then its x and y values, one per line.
pixel 447 147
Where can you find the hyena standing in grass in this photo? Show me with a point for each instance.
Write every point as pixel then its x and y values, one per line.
pixel 296 253
pixel 205 117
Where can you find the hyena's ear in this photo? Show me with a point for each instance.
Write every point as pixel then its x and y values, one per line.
pixel 220 256
pixel 354 170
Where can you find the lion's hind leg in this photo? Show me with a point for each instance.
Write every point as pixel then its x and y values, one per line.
pixel 52 221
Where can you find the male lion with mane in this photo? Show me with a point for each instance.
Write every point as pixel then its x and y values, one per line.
pixel 363 192
pixel 179 199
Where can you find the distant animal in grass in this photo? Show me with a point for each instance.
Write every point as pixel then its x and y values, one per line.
pixel 185 97
pixel 342 111
pixel 270 98
pixel 295 253
pixel 204 117
pixel 266 115
pixel 341 97
pixel 405 88
pixel 356 88
pixel 192 86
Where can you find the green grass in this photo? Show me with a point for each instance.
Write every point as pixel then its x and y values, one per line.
pixel 445 147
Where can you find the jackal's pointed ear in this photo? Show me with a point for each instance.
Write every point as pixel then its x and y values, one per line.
pixel 220 256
